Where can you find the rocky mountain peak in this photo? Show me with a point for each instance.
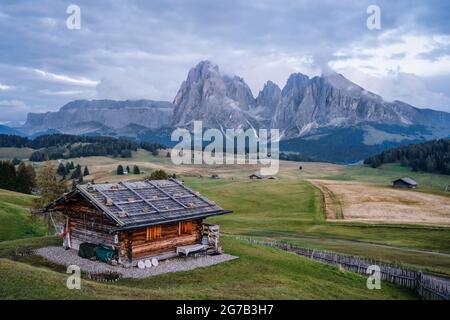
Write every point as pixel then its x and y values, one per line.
pixel 304 106
pixel 203 70
pixel 267 101
pixel 217 99
pixel 295 82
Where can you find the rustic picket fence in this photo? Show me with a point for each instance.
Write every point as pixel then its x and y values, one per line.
pixel 428 287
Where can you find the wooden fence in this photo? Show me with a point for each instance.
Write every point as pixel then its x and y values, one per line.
pixel 428 287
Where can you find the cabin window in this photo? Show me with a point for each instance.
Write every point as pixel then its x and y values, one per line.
pixel 185 227
pixel 153 233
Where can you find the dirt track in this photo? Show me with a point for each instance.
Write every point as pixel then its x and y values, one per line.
pixel 365 202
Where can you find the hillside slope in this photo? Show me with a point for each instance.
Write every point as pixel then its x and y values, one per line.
pixel 432 156
pixel 15 220
pixel 259 273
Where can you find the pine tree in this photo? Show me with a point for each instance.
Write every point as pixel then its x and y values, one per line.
pixel 61 169
pixel 128 169
pixel 24 179
pixel 136 170
pixel 15 161
pixel 119 169
pixel 76 173
pixel 86 171
pixel 7 175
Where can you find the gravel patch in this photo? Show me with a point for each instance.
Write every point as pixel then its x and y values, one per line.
pixel 64 257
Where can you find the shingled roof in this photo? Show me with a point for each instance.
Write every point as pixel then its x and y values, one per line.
pixel 145 203
pixel 407 181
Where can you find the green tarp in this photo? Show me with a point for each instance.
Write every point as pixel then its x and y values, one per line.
pixel 87 250
pixel 105 253
pixel 101 252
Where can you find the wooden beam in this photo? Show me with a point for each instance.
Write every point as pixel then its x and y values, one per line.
pixel 163 191
pixel 141 197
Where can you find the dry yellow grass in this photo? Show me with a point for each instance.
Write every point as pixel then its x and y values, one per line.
pixel 103 169
pixel 364 202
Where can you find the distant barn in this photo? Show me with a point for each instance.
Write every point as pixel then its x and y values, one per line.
pixel 404 183
pixel 256 176
pixel 157 218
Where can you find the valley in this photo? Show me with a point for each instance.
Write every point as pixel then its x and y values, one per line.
pixel 289 209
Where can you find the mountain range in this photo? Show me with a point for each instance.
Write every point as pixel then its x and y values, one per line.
pixel 327 117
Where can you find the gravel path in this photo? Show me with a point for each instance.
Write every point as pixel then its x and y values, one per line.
pixel 70 257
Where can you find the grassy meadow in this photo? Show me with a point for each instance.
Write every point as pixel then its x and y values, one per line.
pixel 385 174
pixel 259 273
pixel 289 209
pixel 15 220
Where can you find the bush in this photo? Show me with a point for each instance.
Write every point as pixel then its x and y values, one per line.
pixel 158 175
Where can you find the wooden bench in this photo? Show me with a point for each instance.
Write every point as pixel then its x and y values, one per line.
pixel 193 248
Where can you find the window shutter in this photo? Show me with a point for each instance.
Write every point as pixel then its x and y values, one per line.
pixel 154 232
pixel 185 227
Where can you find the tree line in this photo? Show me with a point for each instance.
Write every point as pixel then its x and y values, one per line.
pixel 22 179
pixel 295 157
pixel 121 171
pixel 432 156
pixel 64 146
pixel 155 175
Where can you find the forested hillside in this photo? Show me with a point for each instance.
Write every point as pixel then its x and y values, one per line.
pixel 63 146
pixel 431 156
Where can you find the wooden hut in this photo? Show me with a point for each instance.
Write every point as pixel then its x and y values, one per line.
pixel 404 183
pixel 141 219
pixel 256 176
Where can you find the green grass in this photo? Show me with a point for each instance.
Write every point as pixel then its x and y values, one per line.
pixel 15 219
pixel 385 174
pixel 294 207
pixel 259 273
pixel 291 210
pixel 288 209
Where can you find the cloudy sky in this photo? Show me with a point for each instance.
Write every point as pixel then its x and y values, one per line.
pixel 144 48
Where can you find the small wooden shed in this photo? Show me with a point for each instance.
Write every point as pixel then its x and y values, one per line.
pixel 256 176
pixel 404 183
pixel 141 219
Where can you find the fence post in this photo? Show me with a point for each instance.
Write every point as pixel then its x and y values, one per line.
pixel 418 283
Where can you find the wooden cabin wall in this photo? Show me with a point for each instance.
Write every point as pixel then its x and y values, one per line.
pixel 169 240
pixel 87 224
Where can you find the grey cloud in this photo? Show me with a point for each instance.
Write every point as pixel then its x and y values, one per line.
pixel 143 49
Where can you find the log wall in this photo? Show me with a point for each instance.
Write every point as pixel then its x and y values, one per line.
pixel 138 246
pixel 87 224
